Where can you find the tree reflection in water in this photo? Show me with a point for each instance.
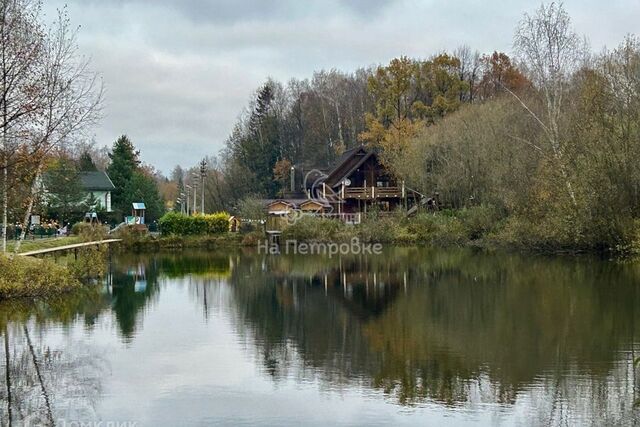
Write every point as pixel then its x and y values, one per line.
pixel 554 337
pixel 45 380
pixel 454 327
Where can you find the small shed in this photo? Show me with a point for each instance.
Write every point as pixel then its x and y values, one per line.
pixel 313 205
pixel 280 207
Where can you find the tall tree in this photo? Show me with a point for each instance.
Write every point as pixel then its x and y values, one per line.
pixel 64 188
pixel 143 188
pixel 500 75
pixel 85 163
pixel 47 95
pixel 551 51
pixel 22 42
pixel 177 177
pixel 124 164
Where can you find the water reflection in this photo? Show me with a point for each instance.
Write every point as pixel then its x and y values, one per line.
pixel 542 340
pixel 455 327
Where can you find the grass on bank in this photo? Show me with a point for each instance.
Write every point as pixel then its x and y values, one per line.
pixel 45 243
pixel 33 277
pixel 140 242
pixel 482 226
pixel 22 276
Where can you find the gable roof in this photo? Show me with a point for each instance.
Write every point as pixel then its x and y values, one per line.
pixel 294 203
pixel 96 180
pixel 349 161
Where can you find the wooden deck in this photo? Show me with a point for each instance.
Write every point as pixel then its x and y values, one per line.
pixel 69 247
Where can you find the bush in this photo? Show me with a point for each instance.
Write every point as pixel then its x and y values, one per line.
pixel 89 232
pixel 91 263
pixel 252 208
pixel 253 238
pixel 80 227
pixel 217 223
pixel 177 224
pixel 479 220
pixel 31 277
pixel 379 229
pixel 310 228
pixel 249 227
pixel 441 228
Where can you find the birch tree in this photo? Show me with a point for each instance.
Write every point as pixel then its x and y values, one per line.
pixel 21 50
pixel 57 97
pixel 551 52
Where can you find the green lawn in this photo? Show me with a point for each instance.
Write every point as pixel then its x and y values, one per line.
pixel 46 243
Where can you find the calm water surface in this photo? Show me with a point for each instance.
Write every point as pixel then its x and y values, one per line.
pixel 410 337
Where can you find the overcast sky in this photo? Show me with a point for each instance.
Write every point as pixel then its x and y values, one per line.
pixel 178 72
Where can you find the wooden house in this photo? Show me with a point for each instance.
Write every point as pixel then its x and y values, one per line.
pixel 98 186
pixel 356 184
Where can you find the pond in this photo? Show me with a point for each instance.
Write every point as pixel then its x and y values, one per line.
pixel 412 336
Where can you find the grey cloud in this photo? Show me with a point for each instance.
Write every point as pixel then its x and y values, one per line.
pixel 366 8
pixel 178 73
pixel 229 12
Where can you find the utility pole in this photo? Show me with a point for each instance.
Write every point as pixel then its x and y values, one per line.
pixel 194 179
pixel 188 187
pixel 203 173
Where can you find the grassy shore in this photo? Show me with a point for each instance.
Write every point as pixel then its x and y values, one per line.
pixel 480 226
pixel 45 243
pixel 147 242
pixel 22 276
pixel 32 277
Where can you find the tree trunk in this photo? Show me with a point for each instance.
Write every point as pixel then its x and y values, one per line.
pixel 39 375
pixel 340 127
pixel 5 196
pixel 27 214
pixel 3 145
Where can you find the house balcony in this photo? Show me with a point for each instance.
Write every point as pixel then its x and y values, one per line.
pixel 369 193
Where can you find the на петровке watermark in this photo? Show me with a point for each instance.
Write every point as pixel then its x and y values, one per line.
pixel 294 247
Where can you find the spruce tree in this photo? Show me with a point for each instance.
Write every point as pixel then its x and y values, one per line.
pixel 124 163
pixel 85 163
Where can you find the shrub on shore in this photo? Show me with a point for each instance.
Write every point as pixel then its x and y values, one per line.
pixel 310 228
pixel 217 223
pixel 177 224
pixel 26 276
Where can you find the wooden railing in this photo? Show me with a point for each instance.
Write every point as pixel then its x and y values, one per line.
pixel 371 192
